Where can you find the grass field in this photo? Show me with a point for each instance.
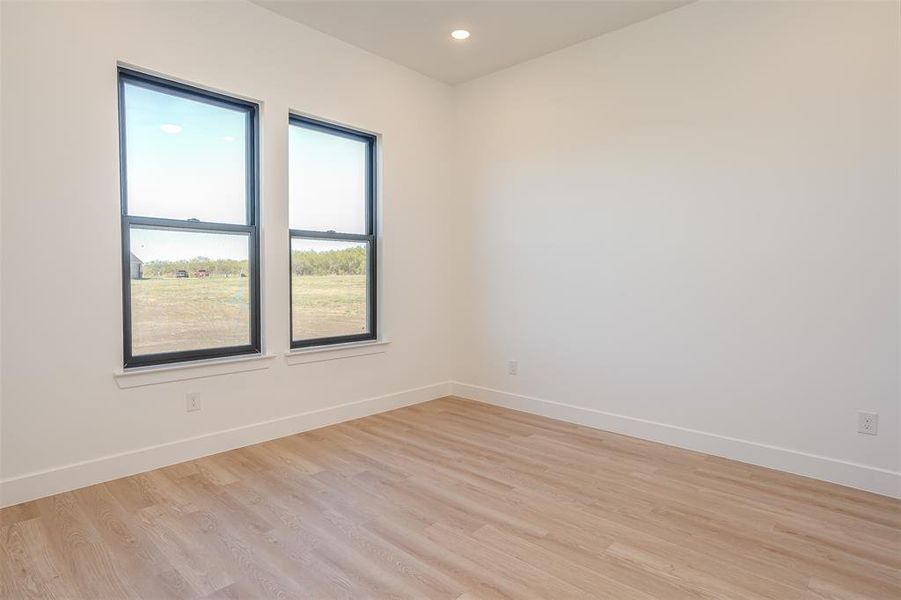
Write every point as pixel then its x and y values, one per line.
pixel 328 305
pixel 170 315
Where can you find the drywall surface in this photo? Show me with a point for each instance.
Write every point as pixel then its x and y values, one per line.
pixel 693 222
pixel 61 310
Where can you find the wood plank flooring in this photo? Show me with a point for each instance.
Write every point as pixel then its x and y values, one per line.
pixel 455 499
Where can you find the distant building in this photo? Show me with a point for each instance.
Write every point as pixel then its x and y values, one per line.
pixel 137 267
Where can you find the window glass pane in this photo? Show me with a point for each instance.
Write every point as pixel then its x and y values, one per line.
pixel 328 288
pixel 327 187
pixel 186 159
pixel 189 290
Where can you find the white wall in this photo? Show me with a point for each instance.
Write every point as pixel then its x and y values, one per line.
pixel 690 227
pixel 61 310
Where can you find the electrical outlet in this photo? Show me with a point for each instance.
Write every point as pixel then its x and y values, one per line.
pixel 512 367
pixel 867 422
pixel 193 401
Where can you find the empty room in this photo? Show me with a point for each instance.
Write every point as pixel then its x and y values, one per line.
pixel 463 300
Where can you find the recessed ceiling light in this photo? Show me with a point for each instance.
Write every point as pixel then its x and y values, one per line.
pixel 459 34
pixel 228 138
pixel 170 128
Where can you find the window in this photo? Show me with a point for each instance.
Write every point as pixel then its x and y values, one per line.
pixel 332 234
pixel 190 239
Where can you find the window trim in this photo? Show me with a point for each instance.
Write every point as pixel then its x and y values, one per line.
pixel 251 228
pixel 371 237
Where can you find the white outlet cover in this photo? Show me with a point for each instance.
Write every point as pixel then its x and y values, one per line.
pixel 867 422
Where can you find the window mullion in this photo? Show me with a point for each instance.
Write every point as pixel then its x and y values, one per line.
pixel 330 235
pixel 200 226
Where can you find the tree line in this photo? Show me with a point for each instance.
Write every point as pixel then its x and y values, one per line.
pixel 347 261
pixel 221 267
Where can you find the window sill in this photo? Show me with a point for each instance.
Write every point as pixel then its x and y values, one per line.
pixel 302 356
pixel 141 376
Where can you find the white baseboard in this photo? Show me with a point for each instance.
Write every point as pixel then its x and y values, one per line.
pixel 871 479
pixel 69 477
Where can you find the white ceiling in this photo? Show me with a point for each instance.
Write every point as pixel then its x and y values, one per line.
pixel 504 32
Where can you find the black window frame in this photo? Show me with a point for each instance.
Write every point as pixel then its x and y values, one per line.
pixel 251 228
pixel 370 237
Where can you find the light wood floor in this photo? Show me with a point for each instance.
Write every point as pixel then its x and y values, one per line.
pixel 454 499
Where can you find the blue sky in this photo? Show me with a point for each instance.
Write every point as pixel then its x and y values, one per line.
pixel 327 181
pixel 155 244
pixel 187 159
